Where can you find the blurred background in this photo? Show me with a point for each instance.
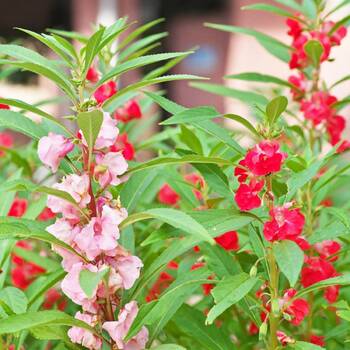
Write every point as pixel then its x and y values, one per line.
pixel 218 54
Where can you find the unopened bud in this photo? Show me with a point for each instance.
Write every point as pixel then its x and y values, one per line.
pixel 253 271
pixel 262 331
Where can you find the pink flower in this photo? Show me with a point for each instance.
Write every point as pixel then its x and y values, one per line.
pixel 285 224
pixel 108 167
pixel 246 195
pixel 284 339
pixel 108 133
pixel 105 91
pixel 299 83
pixel 71 287
pixel 69 259
pixel 265 158
pixel 78 187
pixel 100 235
pixel 52 149
pixel 198 181
pixel 63 230
pixel 167 195
pixel 120 328
pixel 92 75
pixel 83 336
pixel 130 111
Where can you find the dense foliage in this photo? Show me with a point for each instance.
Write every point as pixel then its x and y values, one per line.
pixel 206 245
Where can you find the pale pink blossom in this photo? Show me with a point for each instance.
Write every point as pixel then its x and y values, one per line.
pixel 63 230
pixel 108 133
pixel 68 258
pixel 82 336
pixel 120 328
pixel 78 187
pixel 100 235
pixel 108 167
pixel 52 149
pixel 71 287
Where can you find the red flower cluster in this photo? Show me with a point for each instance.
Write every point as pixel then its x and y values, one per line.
pixel 130 111
pixel 285 223
pixel 301 37
pixel 263 159
pixel 123 145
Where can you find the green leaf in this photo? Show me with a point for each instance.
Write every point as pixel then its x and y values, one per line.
pixel 189 138
pixel 269 8
pixel 290 259
pixel 292 4
pixel 344 314
pixel 275 108
pixel 309 8
pixel 136 63
pixel 91 49
pixel 261 78
pixel 192 322
pixel 168 347
pixel 90 125
pixel 90 280
pixel 174 218
pixel 229 292
pixel 247 97
pixel 183 160
pixel 15 299
pixel 301 345
pixel 272 45
pixel 314 51
pixel 17 323
pixel 243 122
pixel 191 115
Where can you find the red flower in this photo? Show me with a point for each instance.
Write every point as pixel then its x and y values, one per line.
pixel 302 243
pixel 20 279
pixel 228 240
pixel 197 181
pixel 299 58
pixel 167 195
pixel 284 339
pixel 162 283
pixel 54 299
pixel 241 172
pixel 335 126
pixel 338 35
pixel 17 259
pixel 295 28
pixel 253 328
pixel 247 195
pixel 331 294
pixel 105 91
pixel 6 140
pixel 344 146
pixel 18 207
pixel 122 144
pixel 298 308
pixel 46 215
pixel 328 248
pixel 319 108
pixel 317 340
pixel 299 83
pixel 265 158
pixel 285 224
pixel 129 112
pixel 92 75
pixel 316 270
pixel 172 265
pixel 4 106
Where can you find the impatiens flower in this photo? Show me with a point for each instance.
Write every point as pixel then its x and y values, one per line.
pixel 18 207
pixel 228 240
pixel 52 149
pixel 108 167
pixel 92 75
pixel 241 171
pixel 100 235
pixel 284 339
pixel 167 195
pixel 82 336
pixel 319 108
pixel 295 28
pixel 130 111
pixel 335 127
pixel 299 85
pixel 6 140
pixel 316 270
pixel 107 135
pixel 64 230
pixel 328 249
pixel 247 197
pixel 46 215
pixel 198 181
pixel 299 58
pixel 344 146
pixel 105 91
pixel 298 309
pixel 265 158
pixel 120 328
pixel 317 340
pixel 123 145
pixel 54 299
pixel 253 328
pixel 4 106
pixel 285 223
pixel 71 287
pixel 162 283
pixel 78 187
